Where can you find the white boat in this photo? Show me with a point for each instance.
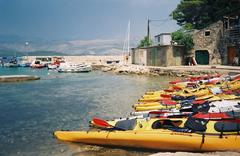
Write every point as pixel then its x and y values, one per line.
pixel 37 64
pixel 74 68
pixel 23 62
pixel 52 66
pixel 56 61
pixel 12 63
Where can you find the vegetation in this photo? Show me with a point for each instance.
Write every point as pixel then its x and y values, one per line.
pixel 201 13
pixel 145 42
pixel 183 37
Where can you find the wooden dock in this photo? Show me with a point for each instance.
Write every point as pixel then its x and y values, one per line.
pixel 17 78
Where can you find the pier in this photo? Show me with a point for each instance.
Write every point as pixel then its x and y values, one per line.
pixel 17 78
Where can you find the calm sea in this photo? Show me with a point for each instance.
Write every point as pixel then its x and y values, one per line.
pixel 31 111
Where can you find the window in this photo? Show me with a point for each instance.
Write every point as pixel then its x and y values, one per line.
pixel 207 33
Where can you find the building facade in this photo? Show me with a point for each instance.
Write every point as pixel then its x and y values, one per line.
pixel 163 39
pixel 159 55
pixel 218 43
pixel 206 44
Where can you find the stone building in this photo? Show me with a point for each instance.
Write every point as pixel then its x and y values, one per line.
pixel 159 55
pixel 206 44
pixel 218 43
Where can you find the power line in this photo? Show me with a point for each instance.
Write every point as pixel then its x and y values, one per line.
pixel 156 20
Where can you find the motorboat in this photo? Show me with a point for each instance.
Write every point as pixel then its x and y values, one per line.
pixel 56 63
pixel 74 68
pixel 23 62
pixel 37 64
pixel 11 63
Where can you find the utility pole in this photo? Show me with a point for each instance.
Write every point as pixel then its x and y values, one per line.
pixel 148 30
pixel 148 26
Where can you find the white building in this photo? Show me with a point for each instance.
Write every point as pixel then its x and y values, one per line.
pixel 163 39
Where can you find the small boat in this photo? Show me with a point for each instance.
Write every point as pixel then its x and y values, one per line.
pixel 74 68
pixel 11 63
pixel 52 66
pixel 37 64
pixel 56 63
pixel 23 62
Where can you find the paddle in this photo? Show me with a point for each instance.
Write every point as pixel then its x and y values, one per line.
pixel 198 102
pixel 101 123
pixel 165 96
pixel 168 102
pixel 213 116
pixel 176 88
pixel 168 114
pixel 176 81
pixel 104 124
pixel 168 90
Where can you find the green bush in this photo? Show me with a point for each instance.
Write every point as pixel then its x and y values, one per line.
pixel 145 42
pixel 183 37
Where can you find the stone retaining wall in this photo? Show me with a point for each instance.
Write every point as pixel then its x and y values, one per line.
pixel 156 71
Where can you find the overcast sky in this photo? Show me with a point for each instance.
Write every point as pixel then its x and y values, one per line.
pixel 84 19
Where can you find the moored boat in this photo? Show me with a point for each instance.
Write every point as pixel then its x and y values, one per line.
pixel 37 64
pixel 74 68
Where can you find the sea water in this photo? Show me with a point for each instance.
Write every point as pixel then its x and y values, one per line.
pixel 31 111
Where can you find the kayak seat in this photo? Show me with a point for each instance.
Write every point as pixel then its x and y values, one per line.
pixel 193 97
pixel 166 124
pixel 126 124
pixel 196 124
pixel 233 114
pixel 178 97
pixel 227 127
pixel 186 103
pixel 201 108
pixel 180 129
pixel 157 124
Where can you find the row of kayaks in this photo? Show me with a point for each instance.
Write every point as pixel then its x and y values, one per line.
pixel 194 114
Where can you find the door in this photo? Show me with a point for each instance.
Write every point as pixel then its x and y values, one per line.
pixel 202 57
pixel 232 52
pixel 154 56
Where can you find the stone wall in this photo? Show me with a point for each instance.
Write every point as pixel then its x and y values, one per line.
pixel 167 55
pixel 210 43
pixel 139 56
pixel 157 56
pixel 175 55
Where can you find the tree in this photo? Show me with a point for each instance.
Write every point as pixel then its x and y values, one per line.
pixel 145 42
pixel 201 13
pixel 183 37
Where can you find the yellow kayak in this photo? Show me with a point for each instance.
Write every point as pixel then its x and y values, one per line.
pixel 146 104
pixel 156 107
pixel 201 91
pixel 153 99
pixel 218 97
pixel 145 136
pixel 232 85
pixel 197 92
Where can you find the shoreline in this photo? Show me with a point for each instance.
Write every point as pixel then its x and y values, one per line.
pixel 175 71
pixel 117 64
